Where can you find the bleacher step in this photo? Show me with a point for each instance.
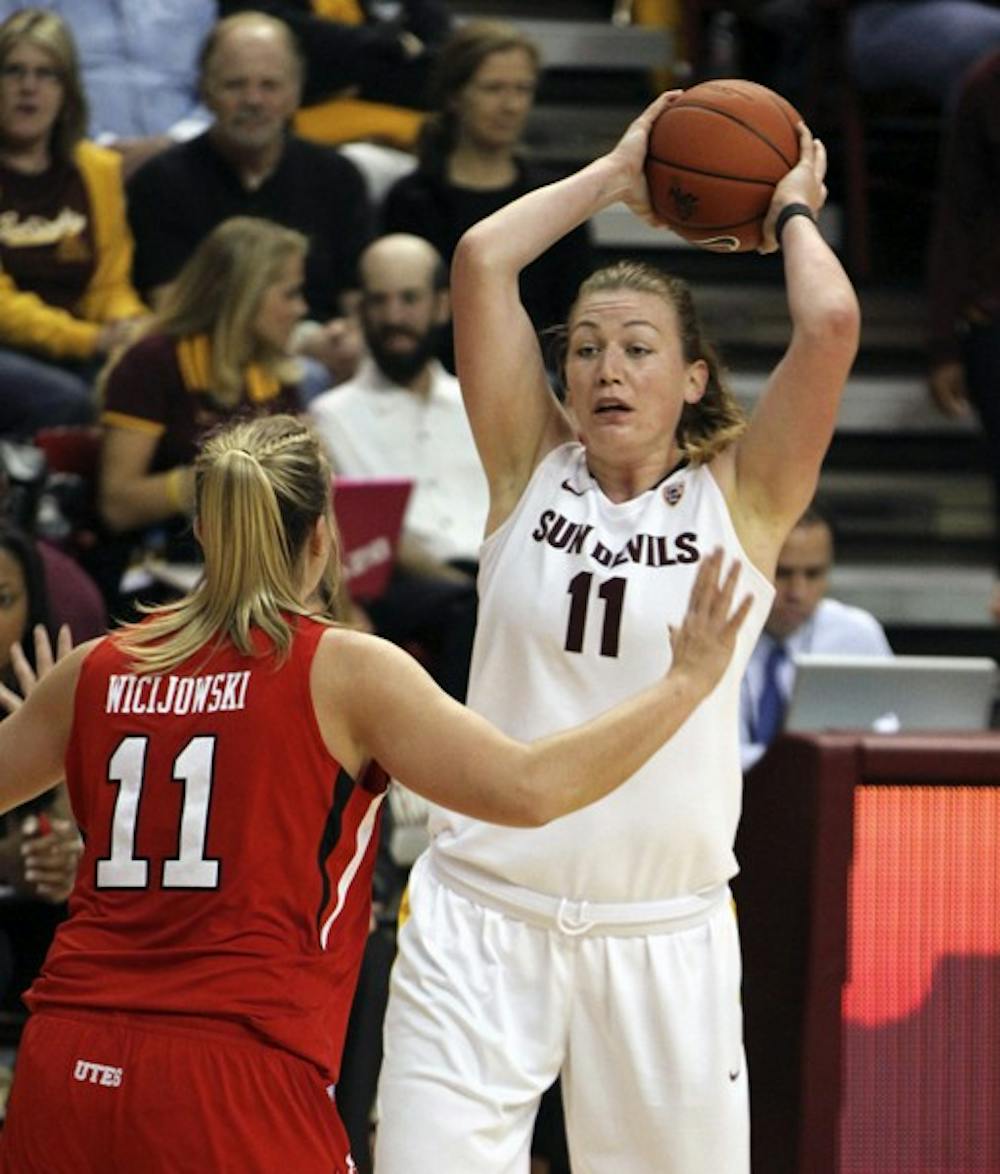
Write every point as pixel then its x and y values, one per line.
pixel 913 595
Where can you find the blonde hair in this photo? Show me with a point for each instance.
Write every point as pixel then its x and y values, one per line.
pixel 50 33
pixel 218 293
pixel 716 420
pixel 260 486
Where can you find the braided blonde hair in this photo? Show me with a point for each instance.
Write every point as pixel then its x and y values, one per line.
pixel 260 486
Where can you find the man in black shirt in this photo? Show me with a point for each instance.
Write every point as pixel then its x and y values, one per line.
pixel 248 163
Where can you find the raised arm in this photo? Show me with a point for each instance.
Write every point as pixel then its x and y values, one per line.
pixel 777 462
pixel 514 416
pixel 375 701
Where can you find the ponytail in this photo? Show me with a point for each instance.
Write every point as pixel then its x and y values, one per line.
pixel 260 487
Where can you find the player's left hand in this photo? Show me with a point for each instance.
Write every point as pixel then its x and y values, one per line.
pixel 804 184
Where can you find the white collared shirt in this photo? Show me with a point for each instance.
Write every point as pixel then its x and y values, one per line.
pixel 373 427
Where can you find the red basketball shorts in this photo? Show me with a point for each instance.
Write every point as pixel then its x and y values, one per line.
pixel 98 1092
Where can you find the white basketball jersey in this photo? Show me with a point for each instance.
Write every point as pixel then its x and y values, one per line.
pixel 576 595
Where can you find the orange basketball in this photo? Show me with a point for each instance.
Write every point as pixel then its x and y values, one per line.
pixel 714 157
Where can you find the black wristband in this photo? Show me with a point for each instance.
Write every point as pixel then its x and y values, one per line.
pixel 786 214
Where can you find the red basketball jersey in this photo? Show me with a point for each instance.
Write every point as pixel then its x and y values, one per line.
pixel 227 870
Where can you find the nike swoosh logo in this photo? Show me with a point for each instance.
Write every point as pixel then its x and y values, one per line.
pixel 576 492
pixel 734 1075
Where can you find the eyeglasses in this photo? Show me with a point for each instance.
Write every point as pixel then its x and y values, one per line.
pixel 15 72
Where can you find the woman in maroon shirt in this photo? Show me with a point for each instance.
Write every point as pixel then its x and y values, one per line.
pixel 216 349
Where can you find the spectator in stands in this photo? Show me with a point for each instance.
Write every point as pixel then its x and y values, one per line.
pixel 366 76
pixel 65 251
pixel 964 270
pixel 483 88
pixel 402 415
pixel 73 597
pixel 247 163
pixel 923 45
pixel 217 347
pixel 39 845
pixel 801 620
pixel 140 97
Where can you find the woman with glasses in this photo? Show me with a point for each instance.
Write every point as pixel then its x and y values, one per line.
pixel 65 251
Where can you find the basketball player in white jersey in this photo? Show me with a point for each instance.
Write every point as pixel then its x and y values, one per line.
pixel 604 946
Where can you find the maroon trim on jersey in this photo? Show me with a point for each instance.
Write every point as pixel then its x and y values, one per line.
pixel 374 779
pixel 347 847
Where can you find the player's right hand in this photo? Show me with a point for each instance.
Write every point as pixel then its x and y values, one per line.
pixel 630 154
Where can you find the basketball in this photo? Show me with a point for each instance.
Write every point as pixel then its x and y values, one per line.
pixel 714 157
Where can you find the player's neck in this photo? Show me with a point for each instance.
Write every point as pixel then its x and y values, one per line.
pixel 624 480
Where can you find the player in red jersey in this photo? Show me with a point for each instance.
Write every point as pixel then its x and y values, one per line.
pixel 191 1012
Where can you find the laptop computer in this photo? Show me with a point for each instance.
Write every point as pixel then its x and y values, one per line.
pixel 369 513
pixel 889 694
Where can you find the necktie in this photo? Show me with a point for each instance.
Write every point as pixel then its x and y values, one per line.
pixel 771 707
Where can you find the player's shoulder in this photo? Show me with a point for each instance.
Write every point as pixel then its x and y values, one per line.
pixel 99 652
pixel 345 654
pixel 90 657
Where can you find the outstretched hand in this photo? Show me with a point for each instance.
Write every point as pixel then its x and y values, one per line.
pixel 703 644
pixel 630 155
pixel 28 677
pixel 802 185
